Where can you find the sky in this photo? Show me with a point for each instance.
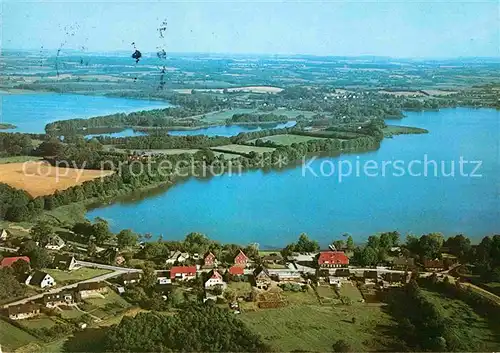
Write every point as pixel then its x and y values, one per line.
pixel 382 28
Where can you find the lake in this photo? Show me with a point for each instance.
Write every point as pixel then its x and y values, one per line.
pixel 231 130
pixel 219 130
pixel 30 112
pixel 272 208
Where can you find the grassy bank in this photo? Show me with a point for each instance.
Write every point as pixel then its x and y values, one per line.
pixel 393 130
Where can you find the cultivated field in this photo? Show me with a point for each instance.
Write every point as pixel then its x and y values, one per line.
pixel 12 337
pixel 287 139
pixel 311 327
pixel 39 178
pixel 241 149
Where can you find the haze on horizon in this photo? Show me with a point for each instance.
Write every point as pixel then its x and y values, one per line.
pixel 340 28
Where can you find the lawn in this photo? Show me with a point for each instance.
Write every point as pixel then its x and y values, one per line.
pixel 70 313
pixel 12 337
pixel 316 328
pixel 109 298
pixel 240 288
pixel 300 298
pixel 287 139
pixel 242 149
pixel 351 291
pixel 38 322
pixel 81 274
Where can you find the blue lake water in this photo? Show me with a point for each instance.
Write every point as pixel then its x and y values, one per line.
pixel 230 130
pixel 31 112
pixel 273 207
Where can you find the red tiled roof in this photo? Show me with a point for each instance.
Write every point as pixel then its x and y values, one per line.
pixel 333 257
pixel 188 270
pixel 8 261
pixel 236 270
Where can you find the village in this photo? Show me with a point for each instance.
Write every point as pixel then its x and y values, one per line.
pixel 73 292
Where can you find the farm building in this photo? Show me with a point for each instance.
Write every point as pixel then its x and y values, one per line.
pixel 262 278
pixel 210 260
pixel 241 259
pixel 90 289
pixel 40 279
pixel 64 262
pixel 333 259
pixel 214 279
pixel 8 261
pixel 55 243
pixel 183 273
pixel 23 311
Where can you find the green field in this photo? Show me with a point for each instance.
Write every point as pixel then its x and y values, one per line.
pixel 81 274
pixel 222 116
pixel 316 328
pixel 242 149
pixel 12 337
pixel 465 323
pixel 18 159
pixel 286 140
pixel 38 322
pixel 350 291
pixel 300 298
pixel 392 130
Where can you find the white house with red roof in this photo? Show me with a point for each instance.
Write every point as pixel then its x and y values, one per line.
pixel 9 261
pixel 241 259
pixel 214 279
pixel 333 259
pixel 183 273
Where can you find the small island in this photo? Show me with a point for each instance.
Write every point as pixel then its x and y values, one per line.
pixel 4 126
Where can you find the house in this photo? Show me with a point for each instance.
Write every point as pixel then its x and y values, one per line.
pixel 435 265
pixel 173 257
pixel 130 278
pixel 64 262
pixel 183 273
pixel 403 263
pixel 370 276
pixel 241 259
pixel 236 271
pixel 55 243
pixel 4 234
pixel 342 272
pixel 333 259
pixel 183 257
pixel 112 256
pixel 61 298
pixel 177 256
pixel 214 279
pixel 163 277
pixel 283 275
pixel 262 278
pixel 8 261
pixel 272 259
pixel 91 289
pixel 395 277
pixel 40 279
pixel 210 260
pixel 305 258
pixel 335 281
pixel 23 311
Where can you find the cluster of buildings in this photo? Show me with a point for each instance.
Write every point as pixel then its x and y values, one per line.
pixel 66 297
